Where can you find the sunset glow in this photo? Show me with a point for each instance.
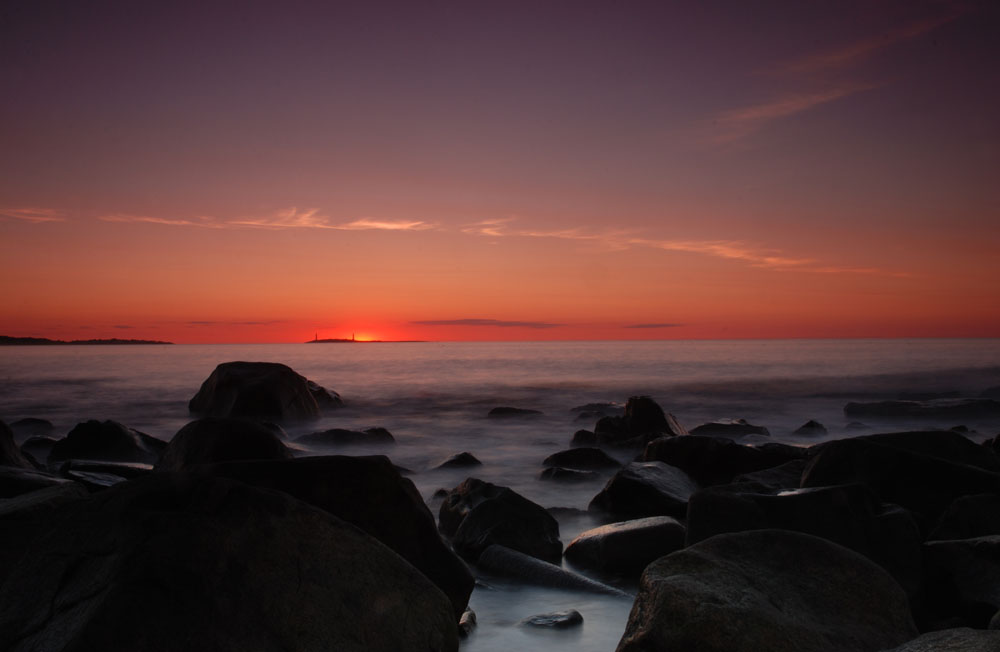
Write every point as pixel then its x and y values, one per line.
pixel 524 171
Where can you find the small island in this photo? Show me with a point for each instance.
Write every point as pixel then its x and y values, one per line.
pixel 6 340
pixel 352 340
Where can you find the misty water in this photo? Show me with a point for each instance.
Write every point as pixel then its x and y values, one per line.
pixel 434 398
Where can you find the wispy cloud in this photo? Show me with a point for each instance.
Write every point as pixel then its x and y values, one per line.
pixel 654 325
pixel 486 322
pixel 36 215
pixel 289 218
pixel 209 322
pixel 204 223
pixel 384 225
pixel 729 249
pixel 736 124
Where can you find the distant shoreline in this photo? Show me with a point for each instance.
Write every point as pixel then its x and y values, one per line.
pixel 6 340
pixel 346 341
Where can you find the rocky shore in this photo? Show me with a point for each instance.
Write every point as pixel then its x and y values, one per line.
pixel 232 537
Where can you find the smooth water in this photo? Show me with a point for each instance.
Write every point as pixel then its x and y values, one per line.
pixel 434 398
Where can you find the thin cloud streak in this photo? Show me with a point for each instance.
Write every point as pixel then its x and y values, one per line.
pixel 486 322
pixel 654 325
pixel 34 215
pixel 290 218
pixel 146 219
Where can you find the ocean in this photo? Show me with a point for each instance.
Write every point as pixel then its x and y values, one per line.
pixel 434 399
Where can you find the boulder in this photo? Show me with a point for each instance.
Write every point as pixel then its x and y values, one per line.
pixel 260 390
pixel 922 471
pixel 501 560
pixel 32 427
pixel 38 447
pixel 370 493
pixel 582 459
pixel 583 438
pixel 509 412
pixel 555 620
pixel 108 441
pixel 643 421
pixel 731 428
pixel 477 514
pixel 944 408
pixel 969 517
pixel 646 489
pixel 10 454
pixel 559 474
pixel 628 546
pixel 775 479
pixel 176 562
pixel 467 623
pixel 460 461
pixel 717 460
pixel 811 428
pixel 768 590
pixel 959 639
pixel 215 439
pixel 963 579
pixel 342 437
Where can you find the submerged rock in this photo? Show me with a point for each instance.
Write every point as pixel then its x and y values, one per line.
pixel 627 546
pixel 555 620
pixel 108 441
pixel 646 489
pixel 945 408
pixel 175 562
pixel 767 590
pixel 342 437
pixel 811 428
pixel 508 412
pixel 462 460
pixel 501 560
pixel 731 428
pixel 260 390
pixel 213 439
pixel 32 427
pixel 583 438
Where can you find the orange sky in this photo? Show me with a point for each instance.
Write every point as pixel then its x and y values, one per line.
pixel 465 173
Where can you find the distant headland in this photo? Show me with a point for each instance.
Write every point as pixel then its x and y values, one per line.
pixel 6 340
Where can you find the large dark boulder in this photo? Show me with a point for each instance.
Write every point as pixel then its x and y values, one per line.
pixel 582 459
pixel 767 590
pixel 478 514
pixel 370 493
pixel 937 409
pixel 717 460
pixel 109 441
pixel 963 580
pixel 646 489
pixel 213 439
pixel 922 471
pixel 628 546
pixel 180 562
pixel 969 517
pixel 643 421
pixel 10 454
pixel 732 428
pixel 343 437
pixel 260 390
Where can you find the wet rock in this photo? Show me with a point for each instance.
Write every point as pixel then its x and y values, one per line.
pixel 643 421
pixel 969 517
pixel 503 561
pixel 963 579
pixel 559 474
pixel 767 590
pixel 38 447
pixel 342 437
pixel 260 390
pixel 15 481
pixel 213 439
pixel 777 478
pixel 32 427
pixel 108 441
pixel 460 461
pixel 174 561
pixel 646 489
pixel 477 514
pixel 628 546
pixel 960 639
pixel 96 476
pixel 555 620
pixel 945 408
pixel 512 412
pixel 583 438
pixel 731 428
pixel 10 454
pixel 922 471
pixel 467 623
pixel 583 459
pixel 811 428
pixel 367 492
pixel 717 460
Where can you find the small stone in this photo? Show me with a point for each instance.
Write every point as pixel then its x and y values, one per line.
pixel 556 620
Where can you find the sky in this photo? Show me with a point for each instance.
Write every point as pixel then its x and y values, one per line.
pixel 272 172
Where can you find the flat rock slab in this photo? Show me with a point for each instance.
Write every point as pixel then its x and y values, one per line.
pixel 767 590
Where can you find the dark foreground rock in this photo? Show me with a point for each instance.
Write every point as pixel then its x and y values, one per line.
pixel 260 390
pixel 961 408
pixel 342 437
pixel 644 420
pixel 503 561
pixel 10 454
pixel 109 441
pixel 213 439
pixel 628 546
pixel 963 579
pixel 174 562
pixel 367 492
pixel 15 481
pixel 478 514
pixel 969 517
pixel 717 460
pixel 646 489
pixel 960 639
pixel 767 590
